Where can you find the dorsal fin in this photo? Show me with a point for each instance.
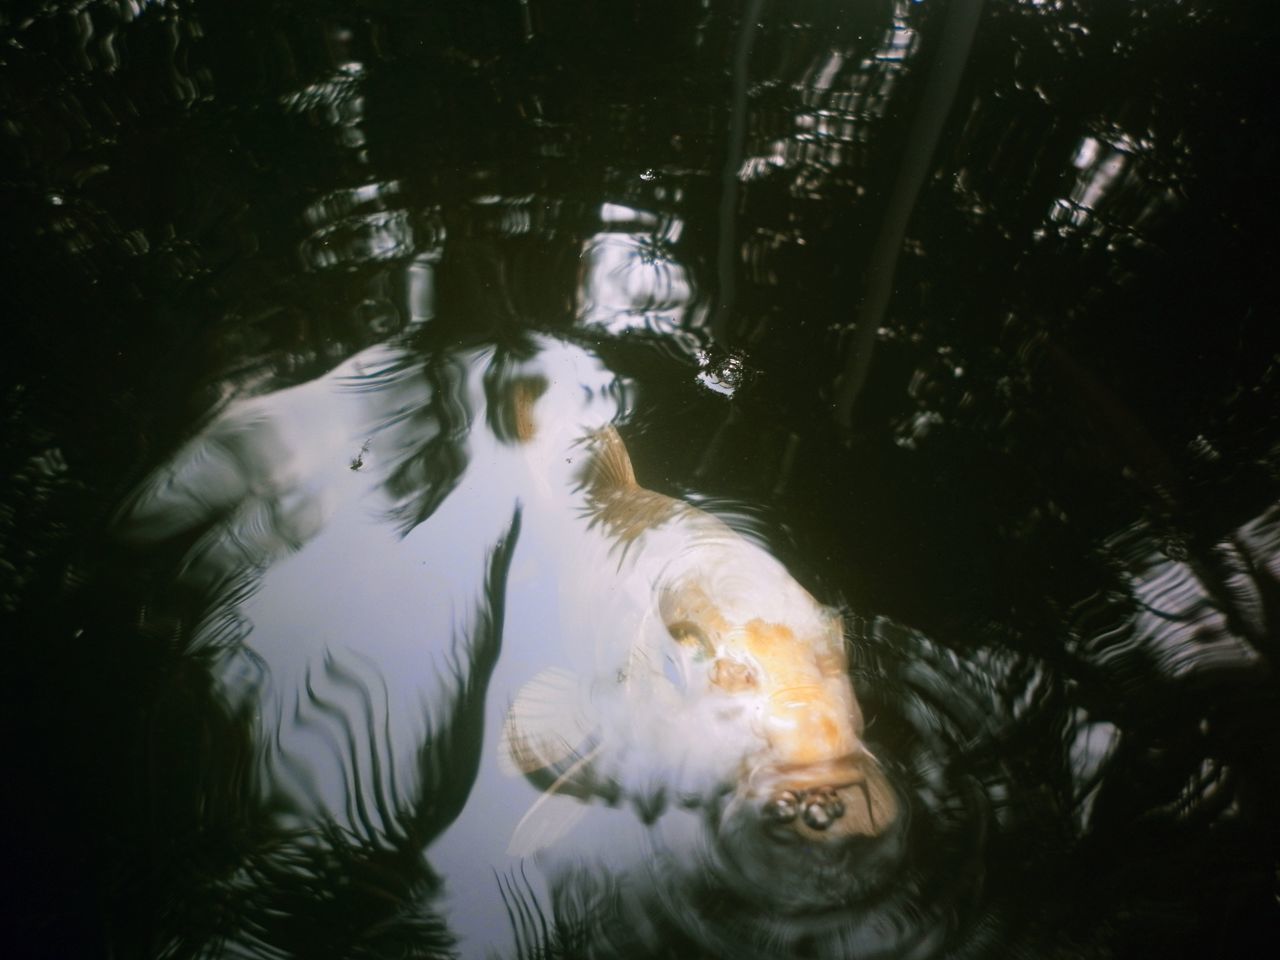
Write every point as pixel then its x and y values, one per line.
pixel 608 470
pixel 613 497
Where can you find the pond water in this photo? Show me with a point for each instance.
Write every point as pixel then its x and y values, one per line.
pixel 957 310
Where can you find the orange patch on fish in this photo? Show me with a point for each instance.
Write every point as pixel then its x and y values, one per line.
pixel 808 718
pixel 786 660
pixel 803 726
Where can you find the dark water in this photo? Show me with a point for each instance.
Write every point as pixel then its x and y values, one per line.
pixel 274 567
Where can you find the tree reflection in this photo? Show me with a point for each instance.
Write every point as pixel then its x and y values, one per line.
pixel 329 889
pixel 1060 469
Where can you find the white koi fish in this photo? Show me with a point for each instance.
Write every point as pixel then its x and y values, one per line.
pixel 704 673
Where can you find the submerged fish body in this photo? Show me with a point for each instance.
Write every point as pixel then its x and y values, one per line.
pixel 705 675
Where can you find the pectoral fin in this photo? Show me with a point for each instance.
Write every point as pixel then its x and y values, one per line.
pixel 546 729
pixel 552 741
pixel 554 814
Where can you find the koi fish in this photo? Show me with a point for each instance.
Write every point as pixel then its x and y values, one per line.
pixel 705 673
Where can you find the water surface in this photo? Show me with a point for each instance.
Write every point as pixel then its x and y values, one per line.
pixel 968 327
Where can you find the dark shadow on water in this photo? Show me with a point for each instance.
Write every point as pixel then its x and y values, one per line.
pixel 1052 514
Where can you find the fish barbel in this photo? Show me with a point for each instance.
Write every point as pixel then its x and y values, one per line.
pixel 705 669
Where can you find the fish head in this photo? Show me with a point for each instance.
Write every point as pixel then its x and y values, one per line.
pixel 813 818
pixel 808 774
pixel 817 779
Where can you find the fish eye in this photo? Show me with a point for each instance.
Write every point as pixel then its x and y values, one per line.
pixel 689 634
